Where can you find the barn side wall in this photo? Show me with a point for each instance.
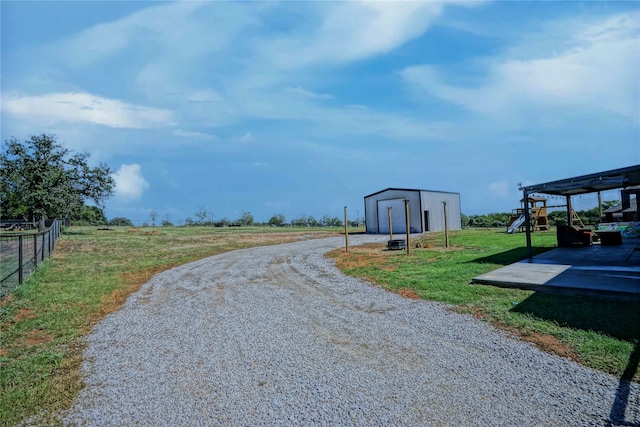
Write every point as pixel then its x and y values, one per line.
pixel 432 202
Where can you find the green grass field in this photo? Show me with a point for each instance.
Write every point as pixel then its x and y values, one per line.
pixel 599 333
pixel 43 324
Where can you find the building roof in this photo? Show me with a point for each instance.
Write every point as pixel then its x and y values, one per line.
pixel 601 181
pixel 409 189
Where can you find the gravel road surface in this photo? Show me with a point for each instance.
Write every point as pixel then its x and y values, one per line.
pixel 277 336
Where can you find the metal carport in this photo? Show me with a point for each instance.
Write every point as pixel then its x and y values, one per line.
pixel 596 182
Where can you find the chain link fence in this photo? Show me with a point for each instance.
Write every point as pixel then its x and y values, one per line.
pixel 20 254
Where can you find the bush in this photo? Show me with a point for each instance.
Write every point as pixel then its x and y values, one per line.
pixel 120 222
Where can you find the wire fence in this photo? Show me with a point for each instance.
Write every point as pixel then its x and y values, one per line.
pixel 21 253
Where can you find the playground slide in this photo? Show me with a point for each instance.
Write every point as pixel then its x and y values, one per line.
pixel 517 223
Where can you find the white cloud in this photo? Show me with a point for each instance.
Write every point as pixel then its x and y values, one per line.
pixel 107 39
pixel 130 184
pixel 599 70
pixel 350 31
pixel 75 107
pixel 304 93
pixel 196 135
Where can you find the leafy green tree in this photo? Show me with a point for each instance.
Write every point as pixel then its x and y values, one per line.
pixel 120 222
pixel 304 221
pixel 246 219
pixel 40 179
pixel 89 215
pixel 223 222
pixel 330 221
pixel 277 220
pixel 464 220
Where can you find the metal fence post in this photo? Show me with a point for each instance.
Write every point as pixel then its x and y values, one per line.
pixel 43 246
pixel 35 251
pixel 20 274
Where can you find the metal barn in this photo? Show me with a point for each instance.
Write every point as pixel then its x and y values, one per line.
pixel 426 210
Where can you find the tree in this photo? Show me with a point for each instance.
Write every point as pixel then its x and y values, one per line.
pixel 330 221
pixel 277 220
pixel 464 220
pixel 40 179
pixel 120 222
pixel 246 219
pixel 201 214
pixel 304 221
pixel 90 215
pixel 153 215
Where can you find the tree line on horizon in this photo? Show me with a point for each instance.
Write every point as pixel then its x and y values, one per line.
pixel 39 179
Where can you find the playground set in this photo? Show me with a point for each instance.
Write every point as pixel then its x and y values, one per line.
pixel 538 214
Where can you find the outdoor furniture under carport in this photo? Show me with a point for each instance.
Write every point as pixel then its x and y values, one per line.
pixel 569 236
pixel 610 237
pixel 597 182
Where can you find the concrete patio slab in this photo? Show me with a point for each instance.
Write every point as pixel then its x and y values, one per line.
pixel 593 270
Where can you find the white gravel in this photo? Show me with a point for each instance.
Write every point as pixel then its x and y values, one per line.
pixel 277 336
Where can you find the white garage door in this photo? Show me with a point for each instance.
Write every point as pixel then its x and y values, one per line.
pixel 397 216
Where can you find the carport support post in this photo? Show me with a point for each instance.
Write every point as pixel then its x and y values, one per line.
pixel 527 223
pixel 600 206
pixel 406 216
pixel 346 231
pixel 569 212
pixel 390 223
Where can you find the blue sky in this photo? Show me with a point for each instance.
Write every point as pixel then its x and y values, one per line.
pixel 306 107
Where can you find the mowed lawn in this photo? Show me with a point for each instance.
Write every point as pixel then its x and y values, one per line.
pixel 600 333
pixel 43 324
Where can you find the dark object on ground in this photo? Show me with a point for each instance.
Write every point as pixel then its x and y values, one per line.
pixel 610 238
pixel 569 236
pixel 396 244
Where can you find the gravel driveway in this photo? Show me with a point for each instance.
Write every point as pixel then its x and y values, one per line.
pixel 277 336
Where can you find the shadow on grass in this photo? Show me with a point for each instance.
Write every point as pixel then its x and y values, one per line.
pixel 510 256
pixel 618 319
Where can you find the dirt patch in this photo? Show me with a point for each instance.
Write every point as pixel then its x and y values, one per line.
pixel 24 314
pixel 368 255
pixel 4 352
pixel 37 337
pixel 546 342
pixel 408 293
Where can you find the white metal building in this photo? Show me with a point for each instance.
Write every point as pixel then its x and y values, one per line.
pixel 426 210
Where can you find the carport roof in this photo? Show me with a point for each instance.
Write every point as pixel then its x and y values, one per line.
pixel 601 181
